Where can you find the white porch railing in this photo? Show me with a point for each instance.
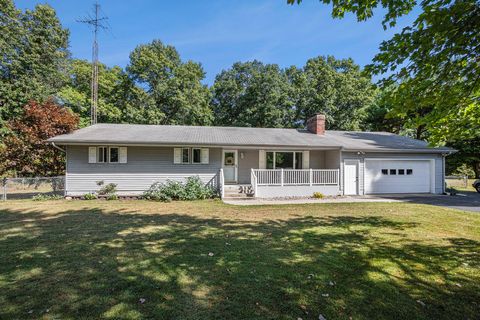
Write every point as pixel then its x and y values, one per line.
pixel 288 177
pixel 221 183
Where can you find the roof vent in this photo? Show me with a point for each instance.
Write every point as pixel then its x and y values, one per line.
pixel 316 124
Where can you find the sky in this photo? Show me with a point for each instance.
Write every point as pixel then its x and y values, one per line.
pixel 220 33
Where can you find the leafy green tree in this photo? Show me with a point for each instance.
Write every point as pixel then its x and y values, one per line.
pixel 252 94
pixel 175 92
pixel 432 64
pixel 77 93
pixel 335 88
pixel 33 56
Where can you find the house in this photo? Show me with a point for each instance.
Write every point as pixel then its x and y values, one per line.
pixel 267 162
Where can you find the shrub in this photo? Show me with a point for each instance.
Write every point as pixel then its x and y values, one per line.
pixel 465 170
pixel 107 189
pixel 112 196
pixel 318 195
pixel 44 197
pixel 196 190
pixel 192 189
pixel 90 196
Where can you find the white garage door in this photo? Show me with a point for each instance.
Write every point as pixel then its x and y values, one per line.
pixel 397 176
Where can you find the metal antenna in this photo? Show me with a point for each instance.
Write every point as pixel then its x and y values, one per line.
pixel 96 22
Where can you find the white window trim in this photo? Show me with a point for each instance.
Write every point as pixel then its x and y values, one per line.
pixel 107 160
pixel 290 151
pixel 190 156
pixel 98 154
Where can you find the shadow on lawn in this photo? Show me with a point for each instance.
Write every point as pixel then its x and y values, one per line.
pixel 94 264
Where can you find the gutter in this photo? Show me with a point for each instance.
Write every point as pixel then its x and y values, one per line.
pixel 57 147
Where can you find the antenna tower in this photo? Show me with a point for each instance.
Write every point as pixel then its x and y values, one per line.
pixel 97 23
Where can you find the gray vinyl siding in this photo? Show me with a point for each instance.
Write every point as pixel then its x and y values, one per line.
pixel 317 159
pixel 439 171
pixel 249 161
pixel 145 165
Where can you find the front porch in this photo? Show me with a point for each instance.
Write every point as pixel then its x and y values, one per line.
pixel 271 183
pixel 279 173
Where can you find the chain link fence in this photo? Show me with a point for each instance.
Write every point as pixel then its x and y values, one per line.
pixel 26 188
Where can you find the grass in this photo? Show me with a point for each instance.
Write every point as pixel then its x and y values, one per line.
pixel 208 260
pixel 460 184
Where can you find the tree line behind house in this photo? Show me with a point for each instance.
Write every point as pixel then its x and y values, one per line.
pixel 44 92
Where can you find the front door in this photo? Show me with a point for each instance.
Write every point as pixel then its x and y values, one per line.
pixel 350 173
pixel 230 166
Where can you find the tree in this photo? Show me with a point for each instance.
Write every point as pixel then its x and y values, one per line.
pixel 25 149
pixel 335 88
pixel 432 64
pixel 33 56
pixel 111 83
pixel 253 94
pixel 175 92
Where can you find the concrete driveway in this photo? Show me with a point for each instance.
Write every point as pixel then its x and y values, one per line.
pixel 464 200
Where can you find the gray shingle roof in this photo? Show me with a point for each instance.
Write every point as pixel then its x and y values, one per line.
pixel 131 134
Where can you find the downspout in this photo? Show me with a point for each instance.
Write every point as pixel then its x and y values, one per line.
pixel 57 147
pixel 65 182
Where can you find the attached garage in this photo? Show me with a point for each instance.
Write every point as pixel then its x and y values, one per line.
pixel 399 176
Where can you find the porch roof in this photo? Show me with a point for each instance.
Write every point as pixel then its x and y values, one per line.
pixel 135 134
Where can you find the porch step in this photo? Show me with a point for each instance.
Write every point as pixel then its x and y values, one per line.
pixel 238 191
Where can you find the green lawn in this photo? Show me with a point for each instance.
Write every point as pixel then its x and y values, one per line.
pixel 208 260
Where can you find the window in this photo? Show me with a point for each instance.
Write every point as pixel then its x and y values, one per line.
pixel 401 172
pixel 196 155
pixel 393 172
pixel 185 155
pixel 102 155
pixel 298 160
pixel 409 171
pixel 284 160
pixel 114 154
pixel 384 171
pixel 270 160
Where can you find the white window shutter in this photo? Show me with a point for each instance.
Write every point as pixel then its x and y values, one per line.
pixel 262 159
pixel 123 154
pixel 92 154
pixel 177 155
pixel 306 160
pixel 204 155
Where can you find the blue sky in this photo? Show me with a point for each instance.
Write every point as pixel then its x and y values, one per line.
pixel 219 33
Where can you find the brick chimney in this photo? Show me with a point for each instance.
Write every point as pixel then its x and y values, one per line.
pixel 316 124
